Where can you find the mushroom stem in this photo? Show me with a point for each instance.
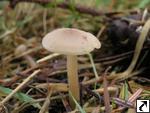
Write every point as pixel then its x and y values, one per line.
pixel 73 79
pixel 30 60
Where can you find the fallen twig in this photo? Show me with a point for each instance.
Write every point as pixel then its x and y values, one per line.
pixel 19 87
pixel 66 5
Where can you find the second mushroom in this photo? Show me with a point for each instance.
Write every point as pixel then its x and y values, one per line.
pixel 71 42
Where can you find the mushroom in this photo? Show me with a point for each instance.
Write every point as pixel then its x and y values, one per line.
pixel 71 42
pixel 22 48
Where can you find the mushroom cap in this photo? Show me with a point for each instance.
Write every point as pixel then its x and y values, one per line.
pixel 70 41
pixel 20 49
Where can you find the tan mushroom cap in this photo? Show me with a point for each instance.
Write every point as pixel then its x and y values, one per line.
pixel 70 41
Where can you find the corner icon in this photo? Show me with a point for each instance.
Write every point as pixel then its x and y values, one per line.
pixel 143 106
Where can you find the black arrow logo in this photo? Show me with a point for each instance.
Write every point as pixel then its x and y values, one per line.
pixel 144 103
